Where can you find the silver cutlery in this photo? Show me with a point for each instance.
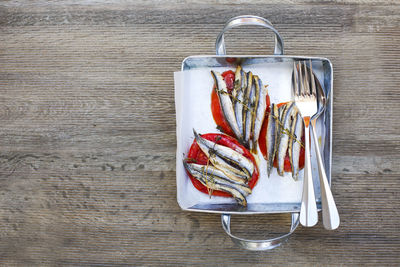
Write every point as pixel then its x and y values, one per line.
pixel 330 214
pixel 306 101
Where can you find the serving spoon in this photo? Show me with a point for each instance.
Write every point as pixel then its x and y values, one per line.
pixel 330 214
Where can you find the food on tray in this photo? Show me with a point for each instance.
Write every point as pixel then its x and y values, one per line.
pixel 238 95
pixel 219 165
pixel 225 158
pixel 272 137
pixel 226 103
pixel 281 140
pixel 296 147
pixel 239 108
pixel 214 179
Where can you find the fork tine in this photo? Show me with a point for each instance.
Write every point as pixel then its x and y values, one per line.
pixel 312 78
pixel 306 81
pixel 296 79
pixel 301 91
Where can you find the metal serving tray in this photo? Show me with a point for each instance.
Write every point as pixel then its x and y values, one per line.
pixel 188 108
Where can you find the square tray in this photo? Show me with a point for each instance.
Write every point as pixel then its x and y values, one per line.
pixel 193 110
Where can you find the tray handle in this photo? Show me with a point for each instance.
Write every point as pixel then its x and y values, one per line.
pixel 258 245
pixel 248 20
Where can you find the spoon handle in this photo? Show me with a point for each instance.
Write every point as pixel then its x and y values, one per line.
pixel 330 214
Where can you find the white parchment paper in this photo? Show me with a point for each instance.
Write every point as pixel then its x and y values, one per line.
pixel 193 111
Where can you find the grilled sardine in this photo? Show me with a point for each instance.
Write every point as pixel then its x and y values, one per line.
pixel 246 108
pixel 211 170
pixel 295 148
pixel 238 106
pixel 215 175
pixel 223 157
pixel 226 103
pixel 271 137
pixel 249 111
pixel 259 108
pixel 283 142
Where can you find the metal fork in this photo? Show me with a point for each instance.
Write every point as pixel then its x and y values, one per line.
pixel 306 102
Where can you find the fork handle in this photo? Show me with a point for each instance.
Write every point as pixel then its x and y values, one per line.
pixel 308 210
pixel 330 214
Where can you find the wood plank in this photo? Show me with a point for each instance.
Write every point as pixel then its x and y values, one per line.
pixel 87 136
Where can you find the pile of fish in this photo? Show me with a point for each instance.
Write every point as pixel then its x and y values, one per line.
pixel 228 170
pixel 243 108
pixel 283 135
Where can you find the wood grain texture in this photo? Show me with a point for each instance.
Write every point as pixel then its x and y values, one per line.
pixel 87 136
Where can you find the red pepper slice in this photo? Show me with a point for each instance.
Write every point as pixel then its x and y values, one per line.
pixel 229 78
pixel 196 155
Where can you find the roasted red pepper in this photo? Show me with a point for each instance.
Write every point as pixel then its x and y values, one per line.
pixel 229 78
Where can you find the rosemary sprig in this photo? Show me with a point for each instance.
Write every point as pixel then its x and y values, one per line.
pixel 210 179
pixel 245 106
pixel 286 131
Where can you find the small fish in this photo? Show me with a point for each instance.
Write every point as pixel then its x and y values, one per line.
pixel 254 105
pixel 281 111
pixel 233 173
pixel 283 142
pixel 238 105
pixel 294 151
pixel 278 118
pixel 215 175
pixel 216 184
pixel 292 128
pixel 226 103
pixel 246 108
pixel 238 83
pixel 223 157
pixel 211 170
pixel 271 137
pixel 239 197
pixel 251 88
pixel 260 107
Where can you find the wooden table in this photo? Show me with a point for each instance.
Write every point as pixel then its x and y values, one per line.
pixel 87 136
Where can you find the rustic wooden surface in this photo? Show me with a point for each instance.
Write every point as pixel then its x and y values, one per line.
pixel 87 131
